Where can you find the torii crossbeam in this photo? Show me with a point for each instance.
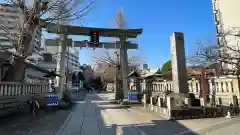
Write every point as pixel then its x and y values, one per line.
pixel 85 31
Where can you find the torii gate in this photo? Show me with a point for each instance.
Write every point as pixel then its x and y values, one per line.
pixel 65 30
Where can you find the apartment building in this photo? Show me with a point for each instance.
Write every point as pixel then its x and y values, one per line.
pixel 227 20
pixel 226 14
pixel 72 56
pixel 9 14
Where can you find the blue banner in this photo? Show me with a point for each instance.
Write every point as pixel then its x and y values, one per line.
pixel 51 100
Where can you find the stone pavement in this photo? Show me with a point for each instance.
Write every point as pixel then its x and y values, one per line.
pixel 96 116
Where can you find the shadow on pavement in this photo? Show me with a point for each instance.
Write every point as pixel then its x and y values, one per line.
pixel 47 122
pixel 98 116
pixel 135 127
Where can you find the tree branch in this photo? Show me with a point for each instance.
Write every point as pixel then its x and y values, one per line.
pixel 29 20
pixel 222 52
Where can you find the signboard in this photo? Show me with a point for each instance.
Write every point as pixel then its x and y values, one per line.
pixel 133 96
pixel 94 38
pixel 55 42
pixel 51 100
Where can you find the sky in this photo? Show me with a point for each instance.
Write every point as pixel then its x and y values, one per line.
pixel 159 19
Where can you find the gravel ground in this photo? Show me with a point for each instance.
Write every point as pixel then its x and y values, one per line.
pixel 46 123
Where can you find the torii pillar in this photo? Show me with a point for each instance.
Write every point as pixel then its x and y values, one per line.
pixel 61 69
pixel 124 65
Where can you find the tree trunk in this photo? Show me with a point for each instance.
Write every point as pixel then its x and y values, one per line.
pixel 15 73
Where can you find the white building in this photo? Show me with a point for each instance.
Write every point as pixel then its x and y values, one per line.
pixel 72 56
pixel 227 20
pixel 9 14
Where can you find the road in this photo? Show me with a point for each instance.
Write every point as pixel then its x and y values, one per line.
pixel 46 123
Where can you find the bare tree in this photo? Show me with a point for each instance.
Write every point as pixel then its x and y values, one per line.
pixel 225 52
pixel 113 60
pixel 109 64
pixel 110 68
pixel 32 18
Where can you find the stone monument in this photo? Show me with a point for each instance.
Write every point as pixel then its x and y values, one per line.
pixel 179 70
pixel 179 97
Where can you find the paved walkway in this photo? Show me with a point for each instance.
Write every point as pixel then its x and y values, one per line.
pixel 96 116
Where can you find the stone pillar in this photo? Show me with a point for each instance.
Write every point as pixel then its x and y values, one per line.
pixel 188 102
pixel 202 102
pixel 210 88
pixel 50 86
pixel 212 91
pixel 159 102
pixel 149 88
pixel 61 64
pixel 218 101
pixel 144 100
pixel 169 106
pixel 233 100
pixel 138 85
pixel 151 103
pixel 144 85
pixel 179 71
